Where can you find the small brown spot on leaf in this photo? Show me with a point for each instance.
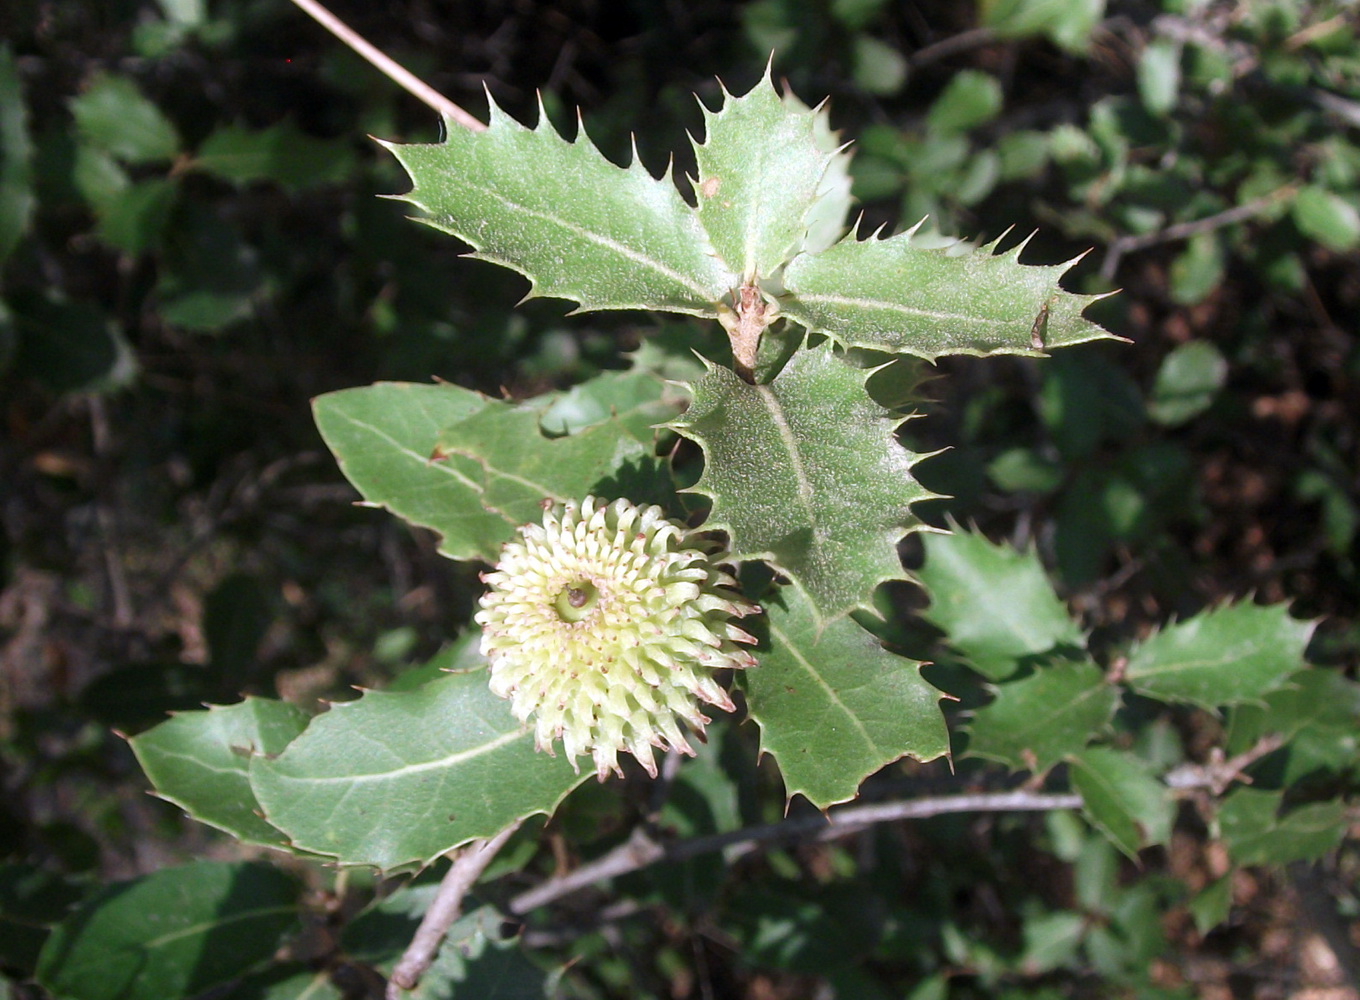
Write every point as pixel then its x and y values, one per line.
pixel 710 187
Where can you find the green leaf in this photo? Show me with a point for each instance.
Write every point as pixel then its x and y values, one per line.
pixel 200 761
pixel 280 153
pixel 1159 75
pixel 512 468
pixel 113 115
pixel 577 226
pixel 638 400
pixel 1328 218
pixel 1122 798
pixel 806 472
pixel 971 98
pixel 832 704
pixel 32 900
pixel 174 933
pixel 760 169
pixel 70 346
pixel 877 67
pixel 384 437
pixel 133 219
pixel 286 981
pixel 17 200
pixel 1224 656
pixel 1068 23
pixel 1256 834
pixel 1187 382
pixel 826 218
pixel 1033 723
pixel 994 604
pixel 1197 270
pixel 889 295
pixel 1211 905
pixel 399 778
pixel 1317 714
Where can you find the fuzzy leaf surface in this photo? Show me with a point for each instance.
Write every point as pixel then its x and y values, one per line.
pixel 1124 801
pixel 577 226
pixel 1223 656
pixel 1256 834
pixel 1036 722
pixel 832 704
pixel 995 604
pixel 807 473
pixel 760 170
pixel 398 778
pixel 200 761
pixel 174 933
pixel 890 295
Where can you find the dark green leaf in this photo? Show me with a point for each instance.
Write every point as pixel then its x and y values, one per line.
pixel 1033 723
pixel 1328 218
pixel 833 705
pixel 1187 382
pixel 280 153
pixel 399 778
pixel 174 933
pixel 994 604
pixel 1317 714
pixel 638 400
pixel 200 761
pixel 1122 798
pixel 1255 833
pixel 70 346
pixel 971 98
pixel 807 473
pixel 1224 656
pixel 32 900
pixel 17 200
pixel 113 115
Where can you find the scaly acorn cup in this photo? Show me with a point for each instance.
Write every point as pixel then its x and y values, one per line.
pixel 607 622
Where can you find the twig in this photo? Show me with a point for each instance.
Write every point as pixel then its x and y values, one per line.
pixel 397 73
pixel 973 38
pixel 641 851
pixel 1184 230
pixel 1219 773
pixel 448 903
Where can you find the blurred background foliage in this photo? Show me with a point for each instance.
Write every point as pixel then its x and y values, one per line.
pixel 192 246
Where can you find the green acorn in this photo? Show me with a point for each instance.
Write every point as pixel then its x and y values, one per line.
pixel 607 622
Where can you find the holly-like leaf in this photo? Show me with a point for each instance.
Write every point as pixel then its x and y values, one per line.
pixel 1122 798
pixel 175 933
pixel 513 468
pixel 832 704
pixel 1035 722
pixel 1317 714
pixel 638 400
pixel 995 605
pixel 1224 656
pixel 1256 834
pixel 469 467
pixel 826 218
pixel 398 778
pixel 200 761
pixel 806 472
pixel 891 295
pixel 577 226
pixel 384 435
pixel 760 172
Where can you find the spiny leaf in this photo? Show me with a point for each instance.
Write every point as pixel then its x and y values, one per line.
pixel 1256 834
pixel 177 932
pixel 1122 798
pixel 1033 723
pixel 398 778
pixel 1317 714
pixel 1223 656
pixel 889 295
pixel 577 226
pixel 469 467
pixel 806 473
pixel 760 169
pixel 200 761
pixel 995 604
pixel 833 705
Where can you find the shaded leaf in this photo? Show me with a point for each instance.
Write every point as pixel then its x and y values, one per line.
pixel 174 933
pixel 17 199
pixel 1122 798
pixel 112 114
pixel 577 226
pixel 994 604
pixel 1223 656
pixel 280 153
pixel 807 473
pixel 1317 714
pixel 1327 217
pixel 200 761
pixel 1033 723
pixel 890 295
pixel 832 704
pixel 1187 382
pixel 398 778
pixel 1255 833
pixel 760 169
pixel 639 401
pixel 32 900
pixel 971 98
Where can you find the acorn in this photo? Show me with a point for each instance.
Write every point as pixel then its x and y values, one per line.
pixel 606 624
